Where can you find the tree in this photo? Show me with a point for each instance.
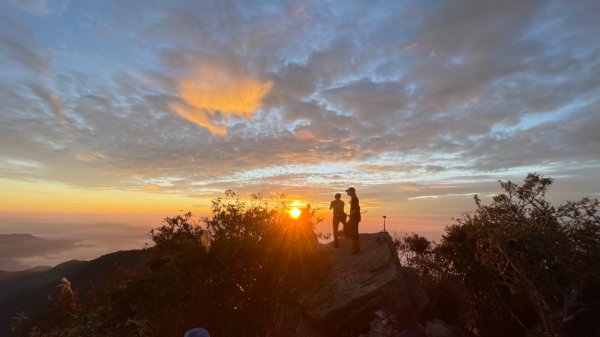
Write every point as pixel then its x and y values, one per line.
pixel 246 260
pixel 523 263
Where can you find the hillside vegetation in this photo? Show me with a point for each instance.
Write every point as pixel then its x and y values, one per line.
pixel 516 267
pixel 228 273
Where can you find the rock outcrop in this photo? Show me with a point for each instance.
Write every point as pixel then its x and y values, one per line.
pixel 358 286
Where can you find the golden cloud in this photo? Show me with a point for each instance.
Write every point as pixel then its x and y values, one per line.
pixel 151 187
pixel 219 89
pixel 410 188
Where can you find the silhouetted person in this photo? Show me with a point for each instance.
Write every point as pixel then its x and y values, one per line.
pixel 351 228
pixel 305 223
pixel 305 216
pixel 338 216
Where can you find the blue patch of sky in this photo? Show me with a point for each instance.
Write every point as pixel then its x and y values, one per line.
pixel 347 80
pixel 529 121
pixel 326 104
pixel 78 122
pixel 84 36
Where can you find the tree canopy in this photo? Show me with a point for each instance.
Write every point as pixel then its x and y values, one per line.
pixel 229 272
pixel 519 266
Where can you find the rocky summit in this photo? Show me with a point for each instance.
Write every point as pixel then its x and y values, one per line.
pixel 359 289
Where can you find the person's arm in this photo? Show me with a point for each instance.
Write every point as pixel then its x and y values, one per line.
pixel 331 205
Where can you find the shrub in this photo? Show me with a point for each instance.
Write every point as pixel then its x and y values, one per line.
pixel 521 265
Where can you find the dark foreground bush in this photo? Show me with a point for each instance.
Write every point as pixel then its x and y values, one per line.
pixel 517 267
pixel 230 272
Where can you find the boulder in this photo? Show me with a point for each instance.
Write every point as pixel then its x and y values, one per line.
pixel 360 284
pixel 357 295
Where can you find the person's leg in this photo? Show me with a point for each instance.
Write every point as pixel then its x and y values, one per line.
pixel 356 242
pixel 349 230
pixel 354 235
pixel 336 223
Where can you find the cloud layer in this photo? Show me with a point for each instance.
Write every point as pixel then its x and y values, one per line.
pixel 15 247
pixel 193 98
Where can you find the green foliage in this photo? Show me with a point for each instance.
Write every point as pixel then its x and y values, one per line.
pixel 179 232
pixel 17 323
pixel 229 272
pixel 521 265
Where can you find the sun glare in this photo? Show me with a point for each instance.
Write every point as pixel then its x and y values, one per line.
pixel 295 212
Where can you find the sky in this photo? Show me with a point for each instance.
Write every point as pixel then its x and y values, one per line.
pixel 116 114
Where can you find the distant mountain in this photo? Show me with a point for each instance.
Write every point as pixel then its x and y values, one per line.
pixel 24 242
pixel 20 238
pixel 7 275
pixel 28 290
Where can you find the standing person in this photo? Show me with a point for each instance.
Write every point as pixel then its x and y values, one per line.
pixel 338 216
pixel 354 220
pixel 306 226
pixel 305 217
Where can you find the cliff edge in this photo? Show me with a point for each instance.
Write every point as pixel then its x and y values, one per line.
pixel 359 291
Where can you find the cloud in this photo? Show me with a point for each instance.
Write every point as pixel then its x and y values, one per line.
pixel 305 135
pixel 14 247
pixel 62 237
pixel 439 196
pixel 42 7
pixel 300 86
pixel 371 101
pixel 24 245
pixel 18 46
pixel 403 100
pixel 52 100
pixel 90 157
pixel 216 91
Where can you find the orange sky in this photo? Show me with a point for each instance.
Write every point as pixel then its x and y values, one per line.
pixel 39 201
pixel 57 198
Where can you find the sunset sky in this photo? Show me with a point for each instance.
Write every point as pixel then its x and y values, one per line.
pixel 116 114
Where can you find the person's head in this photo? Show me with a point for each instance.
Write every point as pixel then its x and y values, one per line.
pixel 338 196
pixel 351 191
pixel 197 332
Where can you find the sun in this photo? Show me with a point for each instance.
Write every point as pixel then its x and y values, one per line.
pixel 295 212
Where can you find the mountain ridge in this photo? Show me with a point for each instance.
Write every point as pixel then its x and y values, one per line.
pixel 28 292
